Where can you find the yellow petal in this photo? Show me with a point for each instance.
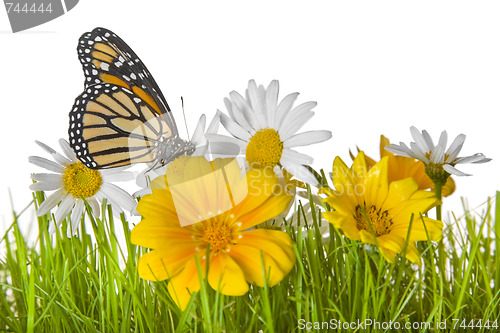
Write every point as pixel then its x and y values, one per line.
pixel 376 184
pixel 390 245
pixel 277 252
pixel 398 191
pixel 261 185
pixel 159 204
pixel 345 180
pixel 225 275
pixel 185 283
pixel 367 237
pixel 346 223
pixel 163 263
pixel 419 232
pixel 448 188
pixel 155 232
pixel 412 254
pixel 359 168
pixel 384 142
pixel 271 208
pixel 402 213
pixel 342 202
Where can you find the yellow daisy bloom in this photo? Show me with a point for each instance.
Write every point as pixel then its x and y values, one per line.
pixel 217 204
pixel 401 167
pixel 367 207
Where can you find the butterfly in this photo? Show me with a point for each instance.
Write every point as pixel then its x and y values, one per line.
pixel 121 117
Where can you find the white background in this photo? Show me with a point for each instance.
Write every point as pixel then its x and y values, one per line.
pixel 374 67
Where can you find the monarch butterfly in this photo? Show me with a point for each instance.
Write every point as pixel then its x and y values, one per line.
pixel 122 116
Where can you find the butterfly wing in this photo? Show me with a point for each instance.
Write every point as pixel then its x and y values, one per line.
pixel 111 126
pixel 122 116
pixel 106 58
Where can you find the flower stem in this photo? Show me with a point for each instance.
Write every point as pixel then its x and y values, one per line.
pixel 438 192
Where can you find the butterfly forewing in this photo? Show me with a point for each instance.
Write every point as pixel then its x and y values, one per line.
pixel 111 126
pixel 106 58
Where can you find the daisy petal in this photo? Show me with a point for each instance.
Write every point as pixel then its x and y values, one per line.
pixel 452 170
pixel 47 177
pixel 55 155
pixel 428 140
pixel 307 138
pixel 476 158
pixel 419 140
pixel 235 114
pixel 118 195
pixel 283 108
pixel 245 109
pixel 256 105
pixel 418 153
pixel 437 155
pixel 299 158
pixel 455 148
pixel 299 171
pixel 400 150
pixel 293 127
pixel 76 215
pixel 64 208
pixel 443 139
pixel 233 128
pixel 46 186
pixel 272 92
pixel 67 149
pixel 297 112
pixel 46 164
pixel 50 202
pixel 199 132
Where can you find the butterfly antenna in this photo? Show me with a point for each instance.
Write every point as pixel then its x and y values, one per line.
pixel 184 114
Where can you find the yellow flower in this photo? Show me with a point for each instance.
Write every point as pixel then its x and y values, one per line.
pixel 369 208
pixel 216 203
pixel 401 167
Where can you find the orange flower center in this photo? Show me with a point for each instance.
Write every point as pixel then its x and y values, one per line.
pixel 373 219
pixel 219 235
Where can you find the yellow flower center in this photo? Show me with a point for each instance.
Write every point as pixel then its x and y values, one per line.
pixel 380 221
pixel 81 181
pixel 218 234
pixel 264 149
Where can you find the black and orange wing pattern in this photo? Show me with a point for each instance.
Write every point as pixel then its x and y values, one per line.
pixel 110 126
pixel 121 117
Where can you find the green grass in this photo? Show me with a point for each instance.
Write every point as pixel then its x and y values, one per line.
pixel 79 284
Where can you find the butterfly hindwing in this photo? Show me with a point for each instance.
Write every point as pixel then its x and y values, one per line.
pixel 111 126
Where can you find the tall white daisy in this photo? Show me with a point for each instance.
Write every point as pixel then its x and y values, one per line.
pixel 265 130
pixel 436 157
pixel 73 182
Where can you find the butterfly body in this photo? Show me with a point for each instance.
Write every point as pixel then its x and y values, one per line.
pixel 121 117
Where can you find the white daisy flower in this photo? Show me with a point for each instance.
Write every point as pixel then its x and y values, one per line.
pixel 73 182
pixel 265 130
pixel 423 149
